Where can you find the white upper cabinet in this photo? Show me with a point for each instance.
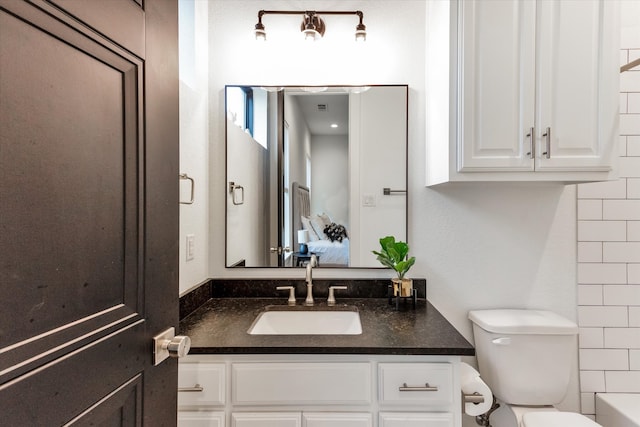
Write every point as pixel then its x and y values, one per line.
pixel 531 90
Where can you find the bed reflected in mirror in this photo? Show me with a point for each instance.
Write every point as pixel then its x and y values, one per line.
pixel 307 169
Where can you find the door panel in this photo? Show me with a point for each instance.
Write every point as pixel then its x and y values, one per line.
pixel 70 147
pixel 88 212
pixel 66 388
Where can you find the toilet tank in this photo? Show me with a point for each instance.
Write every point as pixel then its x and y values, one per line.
pixel 525 356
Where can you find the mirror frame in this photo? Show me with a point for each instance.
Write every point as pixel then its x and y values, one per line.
pixel 280 132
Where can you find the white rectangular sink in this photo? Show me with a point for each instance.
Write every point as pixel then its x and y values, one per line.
pixel 307 322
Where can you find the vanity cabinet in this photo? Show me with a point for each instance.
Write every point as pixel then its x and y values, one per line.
pixel 531 91
pixel 321 390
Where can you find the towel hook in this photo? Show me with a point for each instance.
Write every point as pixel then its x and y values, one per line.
pixel 232 189
pixel 193 188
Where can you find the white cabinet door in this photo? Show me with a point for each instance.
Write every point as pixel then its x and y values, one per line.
pixel 329 419
pixel 200 419
pixel 201 384
pixel 393 419
pixel 497 85
pixel 578 90
pixel 265 419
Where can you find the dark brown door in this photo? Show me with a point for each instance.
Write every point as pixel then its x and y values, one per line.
pixel 88 211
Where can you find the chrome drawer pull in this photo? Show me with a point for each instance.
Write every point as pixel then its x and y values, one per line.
pixel 426 387
pixel 195 388
pixel 547 136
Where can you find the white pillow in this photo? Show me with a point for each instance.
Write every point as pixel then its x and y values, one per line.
pixel 318 226
pixel 326 219
pixel 306 224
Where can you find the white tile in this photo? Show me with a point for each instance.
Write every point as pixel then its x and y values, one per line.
pixel 624 102
pixel 589 251
pixel 594 316
pixel 621 251
pixel 629 166
pixel 621 295
pixel 634 317
pixel 622 145
pixel 624 57
pixel 597 359
pixel 633 274
pixel 629 37
pixel 623 338
pixel 590 295
pixel 621 209
pixel 623 382
pixel 633 145
pixel 588 403
pixel 633 188
pixel 603 190
pixel 630 81
pixel 590 209
pixel 634 360
pixel 591 338
pixel 602 231
pixel 633 231
pixel 592 381
pixel 634 103
pixel 594 274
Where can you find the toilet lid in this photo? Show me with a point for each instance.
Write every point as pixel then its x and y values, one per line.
pixel 557 419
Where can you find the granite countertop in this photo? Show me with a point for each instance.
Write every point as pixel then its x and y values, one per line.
pixel 220 326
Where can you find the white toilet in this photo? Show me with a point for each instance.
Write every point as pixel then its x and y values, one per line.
pixel 526 357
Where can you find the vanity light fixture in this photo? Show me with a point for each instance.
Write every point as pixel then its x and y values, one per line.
pixel 312 27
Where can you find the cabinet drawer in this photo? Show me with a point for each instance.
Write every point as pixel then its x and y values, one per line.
pixel 200 419
pixel 392 419
pixel 301 383
pixel 333 419
pixel 265 419
pixel 201 384
pixel 415 383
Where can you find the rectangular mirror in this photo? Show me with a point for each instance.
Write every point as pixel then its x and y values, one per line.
pixel 319 170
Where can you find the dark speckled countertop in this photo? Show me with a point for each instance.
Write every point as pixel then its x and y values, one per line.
pixel 220 326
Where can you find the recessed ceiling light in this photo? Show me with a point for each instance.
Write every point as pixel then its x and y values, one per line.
pixel 334 125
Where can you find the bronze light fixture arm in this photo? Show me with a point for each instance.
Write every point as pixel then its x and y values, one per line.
pixel 312 22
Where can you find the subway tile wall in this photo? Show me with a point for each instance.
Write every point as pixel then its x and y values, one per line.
pixel 608 217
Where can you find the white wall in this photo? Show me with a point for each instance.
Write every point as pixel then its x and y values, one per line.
pixel 609 248
pixel 246 221
pixel 377 139
pixel 194 141
pixel 478 245
pixel 329 177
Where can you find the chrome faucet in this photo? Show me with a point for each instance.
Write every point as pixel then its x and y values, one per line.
pixel 309 279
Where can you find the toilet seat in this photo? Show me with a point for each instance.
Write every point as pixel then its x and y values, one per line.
pixel 557 419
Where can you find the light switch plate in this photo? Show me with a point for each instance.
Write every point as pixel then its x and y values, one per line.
pixel 191 249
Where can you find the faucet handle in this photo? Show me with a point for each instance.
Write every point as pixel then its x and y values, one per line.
pixel 292 293
pixel 332 299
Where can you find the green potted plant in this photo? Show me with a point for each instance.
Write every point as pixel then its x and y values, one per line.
pixel 395 255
